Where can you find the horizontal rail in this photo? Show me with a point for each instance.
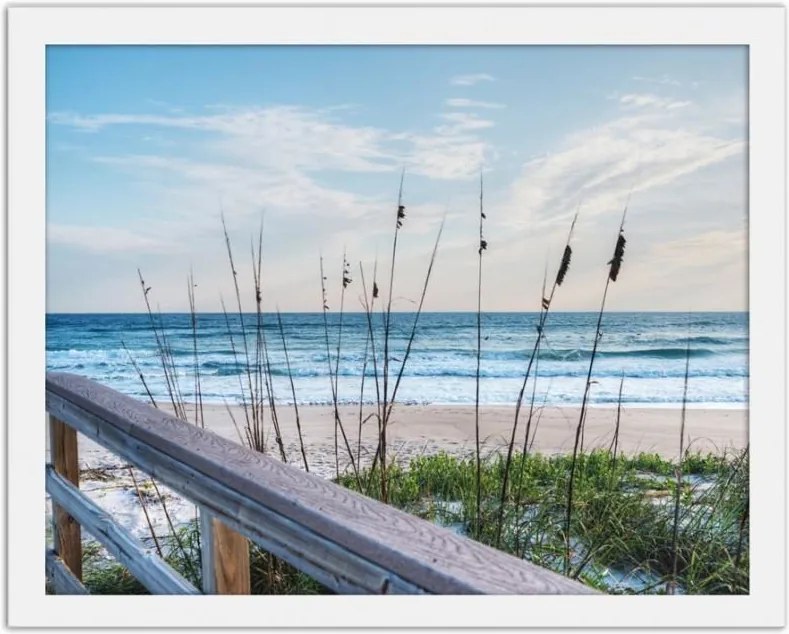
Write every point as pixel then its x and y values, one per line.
pixel 61 578
pixel 346 541
pixel 149 569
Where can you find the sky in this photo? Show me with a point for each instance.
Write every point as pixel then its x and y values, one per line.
pixel 148 146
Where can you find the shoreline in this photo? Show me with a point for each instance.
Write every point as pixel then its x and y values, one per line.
pixel 163 401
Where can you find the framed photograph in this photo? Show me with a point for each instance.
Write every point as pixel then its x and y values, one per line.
pixel 486 303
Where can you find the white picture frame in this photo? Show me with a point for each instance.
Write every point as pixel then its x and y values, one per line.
pixel 31 29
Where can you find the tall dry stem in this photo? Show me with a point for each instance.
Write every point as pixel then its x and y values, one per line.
pixel 333 382
pixel 399 218
pixel 262 368
pixel 678 494
pixel 292 391
pixel 545 305
pixel 161 348
pixel 255 442
pixel 613 272
pixel 615 441
pixel 483 245
pixel 199 414
pixel 257 424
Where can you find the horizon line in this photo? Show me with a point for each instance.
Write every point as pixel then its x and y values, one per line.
pixel 405 312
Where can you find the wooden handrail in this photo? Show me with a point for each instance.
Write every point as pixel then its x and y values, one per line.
pixel 346 541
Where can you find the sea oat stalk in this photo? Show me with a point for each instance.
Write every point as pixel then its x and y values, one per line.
pixel 545 305
pixel 678 493
pixel 483 245
pixel 399 219
pixel 615 265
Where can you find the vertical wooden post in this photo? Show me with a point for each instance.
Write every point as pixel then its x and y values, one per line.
pixel 225 555
pixel 66 532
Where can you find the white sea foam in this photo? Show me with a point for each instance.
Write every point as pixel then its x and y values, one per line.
pixel 648 349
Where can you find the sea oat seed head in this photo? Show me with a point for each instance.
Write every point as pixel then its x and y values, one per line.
pixel 568 252
pixel 400 215
pixel 616 261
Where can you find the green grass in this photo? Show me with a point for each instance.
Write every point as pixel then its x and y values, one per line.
pixel 622 519
pixel 102 574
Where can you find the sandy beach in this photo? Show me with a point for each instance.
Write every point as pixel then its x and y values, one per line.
pixel 415 431
pixel 428 429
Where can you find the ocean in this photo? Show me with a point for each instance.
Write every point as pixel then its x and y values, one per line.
pixel 648 349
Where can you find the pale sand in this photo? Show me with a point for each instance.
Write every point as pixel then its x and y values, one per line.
pixel 416 430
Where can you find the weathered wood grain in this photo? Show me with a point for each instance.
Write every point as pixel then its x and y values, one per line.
pixel 149 569
pixel 333 566
pixel 66 533
pixel 343 526
pixel 207 553
pixel 63 582
pixel 225 557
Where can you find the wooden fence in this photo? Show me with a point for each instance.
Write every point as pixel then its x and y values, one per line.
pixel 346 541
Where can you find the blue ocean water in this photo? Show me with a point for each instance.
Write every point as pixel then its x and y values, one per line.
pixel 647 348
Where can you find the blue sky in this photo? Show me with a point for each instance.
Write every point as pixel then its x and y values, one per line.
pixel 147 145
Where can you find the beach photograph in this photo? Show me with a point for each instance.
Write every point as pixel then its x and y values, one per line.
pixel 397 319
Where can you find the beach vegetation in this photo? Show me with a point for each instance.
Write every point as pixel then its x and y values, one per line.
pixel 623 524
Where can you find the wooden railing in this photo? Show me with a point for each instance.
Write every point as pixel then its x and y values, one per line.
pixel 346 541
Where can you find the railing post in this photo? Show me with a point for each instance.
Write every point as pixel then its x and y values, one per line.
pixel 225 557
pixel 66 531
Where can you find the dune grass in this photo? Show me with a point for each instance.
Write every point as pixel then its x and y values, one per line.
pixel 623 525
pixel 622 520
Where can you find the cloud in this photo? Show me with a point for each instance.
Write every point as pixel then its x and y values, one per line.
pixel 243 191
pixel 707 249
pixel 106 240
pixel 651 101
pixel 470 103
pixel 664 80
pixel 454 152
pixel 471 79
pixel 278 135
pixel 598 166
pixel 701 270
pixel 318 178
pixel 461 123
pixel 291 139
pixel 447 157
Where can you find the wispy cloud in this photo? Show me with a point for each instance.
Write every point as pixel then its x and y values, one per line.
pixel 663 80
pixel 647 100
pixel 291 139
pixel 295 164
pixel 706 249
pixel 278 136
pixel 471 79
pixel 462 123
pixel 600 165
pixel 471 103
pixel 243 191
pixel 158 170
pixel 104 240
pixel 447 157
